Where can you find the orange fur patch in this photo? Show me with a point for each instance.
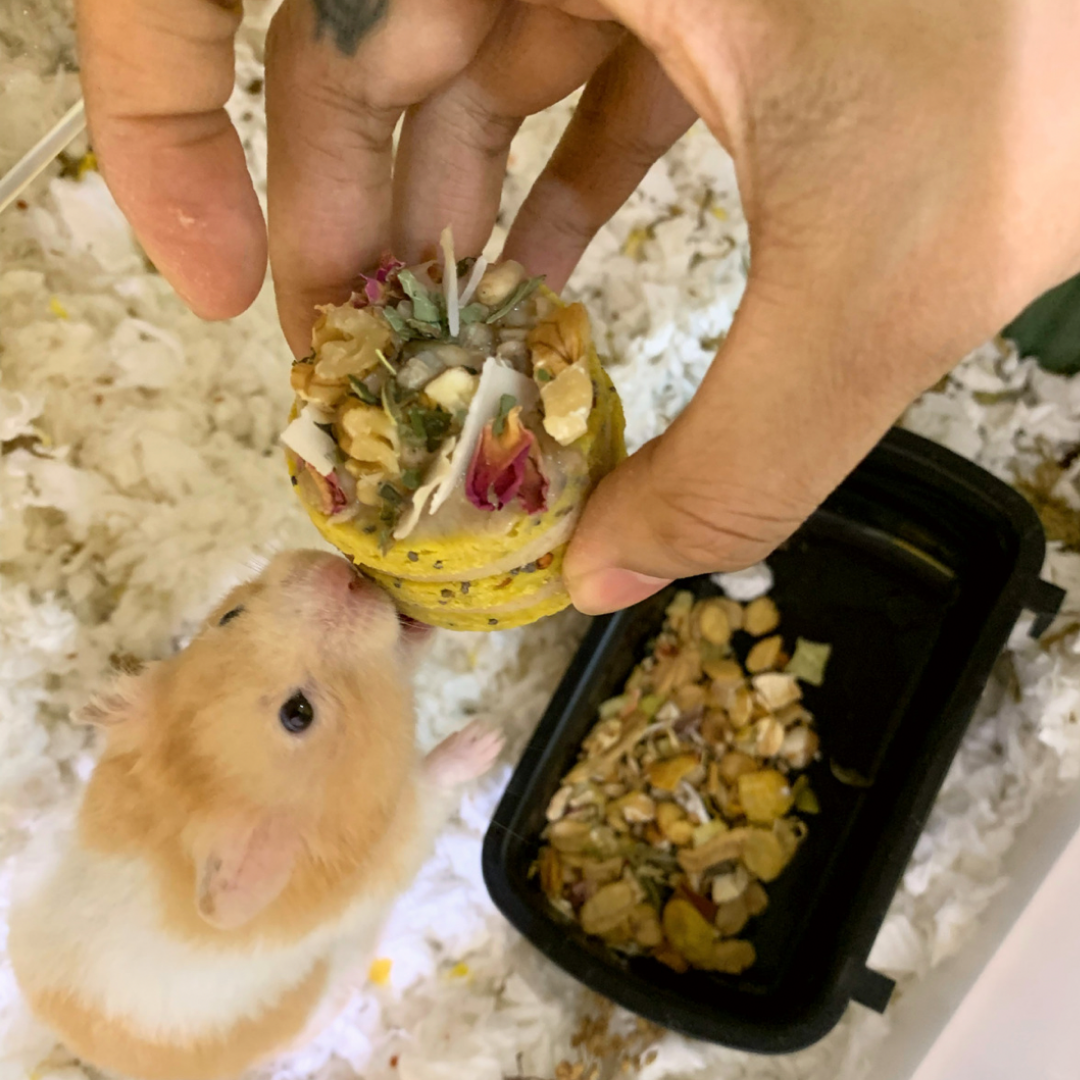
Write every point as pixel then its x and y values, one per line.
pixel 207 744
pixel 110 1045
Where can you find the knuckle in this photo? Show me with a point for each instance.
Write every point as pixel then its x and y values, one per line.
pixel 478 127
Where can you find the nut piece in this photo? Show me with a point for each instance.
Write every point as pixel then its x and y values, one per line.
pixel 559 804
pixel 765 795
pixel 689 697
pixel 672 672
pixel 453 390
pixel 756 898
pixel 315 490
pixel 719 849
pixel 689 931
pixel 730 886
pixel 764 654
pixel 636 808
pixel 571 837
pixel 567 402
pixel 734 612
pixel 602 871
pixel 731 917
pixel 769 737
pixel 763 854
pixel 645 926
pixel 673 823
pixel 560 339
pixel 705 832
pixel 799 747
pixel 736 764
pixel 669 957
pixel 498 282
pixel 775 688
pixel 347 341
pixel 713 623
pixel 733 957
pixel 309 388
pixel 665 775
pixel 724 673
pixel 741 707
pixel 760 617
pixel 368 435
pixel 551 872
pixel 608 907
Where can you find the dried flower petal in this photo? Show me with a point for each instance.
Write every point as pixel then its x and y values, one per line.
pixel 505 466
pixel 379 287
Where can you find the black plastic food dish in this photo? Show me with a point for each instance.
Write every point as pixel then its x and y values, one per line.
pixel 915 570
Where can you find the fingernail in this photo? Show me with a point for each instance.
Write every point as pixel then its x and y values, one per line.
pixel 613 589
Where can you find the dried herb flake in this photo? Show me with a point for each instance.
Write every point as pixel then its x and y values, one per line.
pixel 361 390
pixel 522 292
pixel 425 308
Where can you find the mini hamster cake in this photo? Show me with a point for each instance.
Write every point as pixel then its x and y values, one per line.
pixel 449 424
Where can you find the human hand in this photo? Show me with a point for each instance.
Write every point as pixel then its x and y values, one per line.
pixel 908 173
pixel 340 74
pixel 894 165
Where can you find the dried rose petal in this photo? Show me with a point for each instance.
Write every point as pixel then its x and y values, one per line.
pixel 505 466
pixel 379 287
pixel 534 486
pixel 338 499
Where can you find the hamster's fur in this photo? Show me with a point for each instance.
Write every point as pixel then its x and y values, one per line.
pixel 226 878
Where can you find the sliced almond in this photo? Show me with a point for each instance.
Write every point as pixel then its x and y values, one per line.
pixel 724 673
pixel 713 622
pixel 777 689
pixel 769 734
pixel 800 746
pixel 764 654
pixel 760 617
pixel 608 907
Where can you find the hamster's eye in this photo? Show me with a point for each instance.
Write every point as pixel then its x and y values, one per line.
pixel 296 714
pixel 230 615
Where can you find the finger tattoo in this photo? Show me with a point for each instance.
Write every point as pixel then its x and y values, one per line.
pixel 348 22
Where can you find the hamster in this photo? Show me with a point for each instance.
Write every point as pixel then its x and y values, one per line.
pixel 258 805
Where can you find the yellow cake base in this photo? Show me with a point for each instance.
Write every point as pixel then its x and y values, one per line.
pixel 484 581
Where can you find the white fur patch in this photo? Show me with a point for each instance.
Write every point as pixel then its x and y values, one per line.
pixel 94 930
pixel 89 924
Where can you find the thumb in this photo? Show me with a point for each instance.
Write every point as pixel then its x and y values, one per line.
pixel 784 413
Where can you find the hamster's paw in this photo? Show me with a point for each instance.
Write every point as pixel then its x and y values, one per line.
pixel 463 756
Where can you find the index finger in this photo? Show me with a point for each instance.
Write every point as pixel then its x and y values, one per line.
pixel 156 75
pixel 339 76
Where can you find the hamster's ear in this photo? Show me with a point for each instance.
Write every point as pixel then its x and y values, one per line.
pixel 242 863
pixel 124 700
